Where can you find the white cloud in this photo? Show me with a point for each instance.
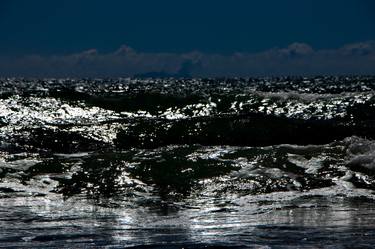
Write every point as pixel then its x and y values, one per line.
pixel 296 59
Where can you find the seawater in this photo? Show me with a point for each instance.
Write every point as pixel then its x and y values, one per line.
pixel 187 163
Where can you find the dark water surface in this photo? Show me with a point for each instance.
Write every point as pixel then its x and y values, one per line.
pixel 200 163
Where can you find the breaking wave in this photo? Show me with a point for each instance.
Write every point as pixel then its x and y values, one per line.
pixel 216 146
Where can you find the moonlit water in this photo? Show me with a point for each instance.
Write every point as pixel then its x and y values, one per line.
pixel 257 163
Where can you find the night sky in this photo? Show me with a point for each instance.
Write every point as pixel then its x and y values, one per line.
pixel 188 38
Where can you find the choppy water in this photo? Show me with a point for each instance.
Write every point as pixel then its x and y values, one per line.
pixel 255 163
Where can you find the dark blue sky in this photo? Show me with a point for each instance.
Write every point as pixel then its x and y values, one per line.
pixel 211 26
pixel 203 38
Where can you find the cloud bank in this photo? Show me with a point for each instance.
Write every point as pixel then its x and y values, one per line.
pixel 296 59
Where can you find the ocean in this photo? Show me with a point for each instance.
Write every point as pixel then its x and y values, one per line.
pixel 282 162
